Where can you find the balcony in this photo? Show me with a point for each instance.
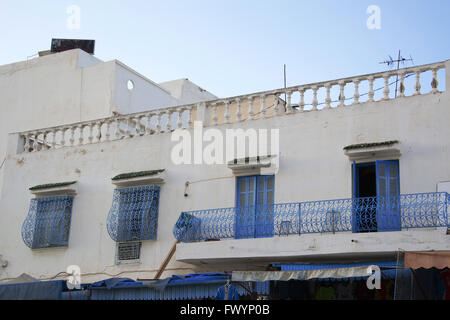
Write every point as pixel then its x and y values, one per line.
pixel 353 215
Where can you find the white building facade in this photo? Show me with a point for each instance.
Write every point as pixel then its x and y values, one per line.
pixel 353 174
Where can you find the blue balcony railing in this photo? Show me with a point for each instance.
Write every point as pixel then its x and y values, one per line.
pixel 372 214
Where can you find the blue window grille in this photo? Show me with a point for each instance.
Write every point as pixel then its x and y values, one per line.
pixel 48 222
pixel 134 213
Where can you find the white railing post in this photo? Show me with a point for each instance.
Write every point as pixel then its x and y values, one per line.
pixel 371 93
pixel 417 86
pixel 328 97
pixel 434 82
pixel 227 111
pixel 386 90
pixel 301 103
pixel 314 102
pixel 356 94
pixel 402 85
pixel 238 110
pixel 341 93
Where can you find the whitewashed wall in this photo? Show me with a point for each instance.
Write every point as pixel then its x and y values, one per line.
pixel 312 167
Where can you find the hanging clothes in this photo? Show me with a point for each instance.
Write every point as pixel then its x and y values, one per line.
pixel 227 292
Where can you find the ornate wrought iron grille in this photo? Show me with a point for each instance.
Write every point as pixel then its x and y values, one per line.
pixel 48 222
pixel 421 210
pixel 134 213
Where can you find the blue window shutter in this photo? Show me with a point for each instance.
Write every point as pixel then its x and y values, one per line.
pixel 245 207
pixel 264 207
pixel 48 222
pixel 254 206
pixel 355 227
pixel 134 213
pixel 388 196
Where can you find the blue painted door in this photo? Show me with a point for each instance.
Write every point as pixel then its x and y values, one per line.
pixel 254 207
pixel 388 196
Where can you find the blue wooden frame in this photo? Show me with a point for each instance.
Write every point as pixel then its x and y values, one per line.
pixel 387 207
pixel 254 218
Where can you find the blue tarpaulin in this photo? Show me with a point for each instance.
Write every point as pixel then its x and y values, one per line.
pixel 191 286
pixel 39 290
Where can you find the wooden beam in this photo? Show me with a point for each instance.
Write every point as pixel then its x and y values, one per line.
pixel 166 260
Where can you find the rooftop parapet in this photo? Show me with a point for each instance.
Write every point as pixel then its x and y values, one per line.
pixel 394 84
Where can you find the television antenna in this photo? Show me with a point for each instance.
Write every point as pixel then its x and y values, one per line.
pixel 391 63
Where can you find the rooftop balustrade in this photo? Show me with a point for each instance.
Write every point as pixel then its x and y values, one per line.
pixel 319 96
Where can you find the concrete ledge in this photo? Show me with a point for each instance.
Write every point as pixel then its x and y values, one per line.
pixel 70 189
pixel 309 247
pixel 157 178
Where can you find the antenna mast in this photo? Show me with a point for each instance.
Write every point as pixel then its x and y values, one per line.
pixel 399 60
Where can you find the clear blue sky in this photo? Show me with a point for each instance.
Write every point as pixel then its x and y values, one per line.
pixel 235 47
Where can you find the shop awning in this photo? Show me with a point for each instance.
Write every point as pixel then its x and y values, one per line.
pixel 427 260
pixel 328 272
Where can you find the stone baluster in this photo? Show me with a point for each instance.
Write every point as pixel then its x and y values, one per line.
pixel 341 93
pixel 214 118
pixel 238 110
pixel 127 127
pixel 227 111
pixel 386 90
pixel 107 130
pixel 26 146
pixel 148 129
pixel 301 103
pixel 276 106
pixel 98 127
pixel 62 141
pixel 263 106
pixel 117 128
pixel 81 137
pixel 371 92
pixel 434 82
pixel 35 142
pixel 137 125
pixel 288 103
pixel 45 143
pixel 251 113
pixel 54 138
pixel 417 86
pixel 71 136
pixel 328 97
pixel 315 102
pixel 356 95
pixel 179 117
pixel 90 136
pixel 158 122
pixel 190 122
pixel 402 84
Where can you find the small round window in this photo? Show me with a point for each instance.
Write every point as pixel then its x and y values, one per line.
pixel 130 85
